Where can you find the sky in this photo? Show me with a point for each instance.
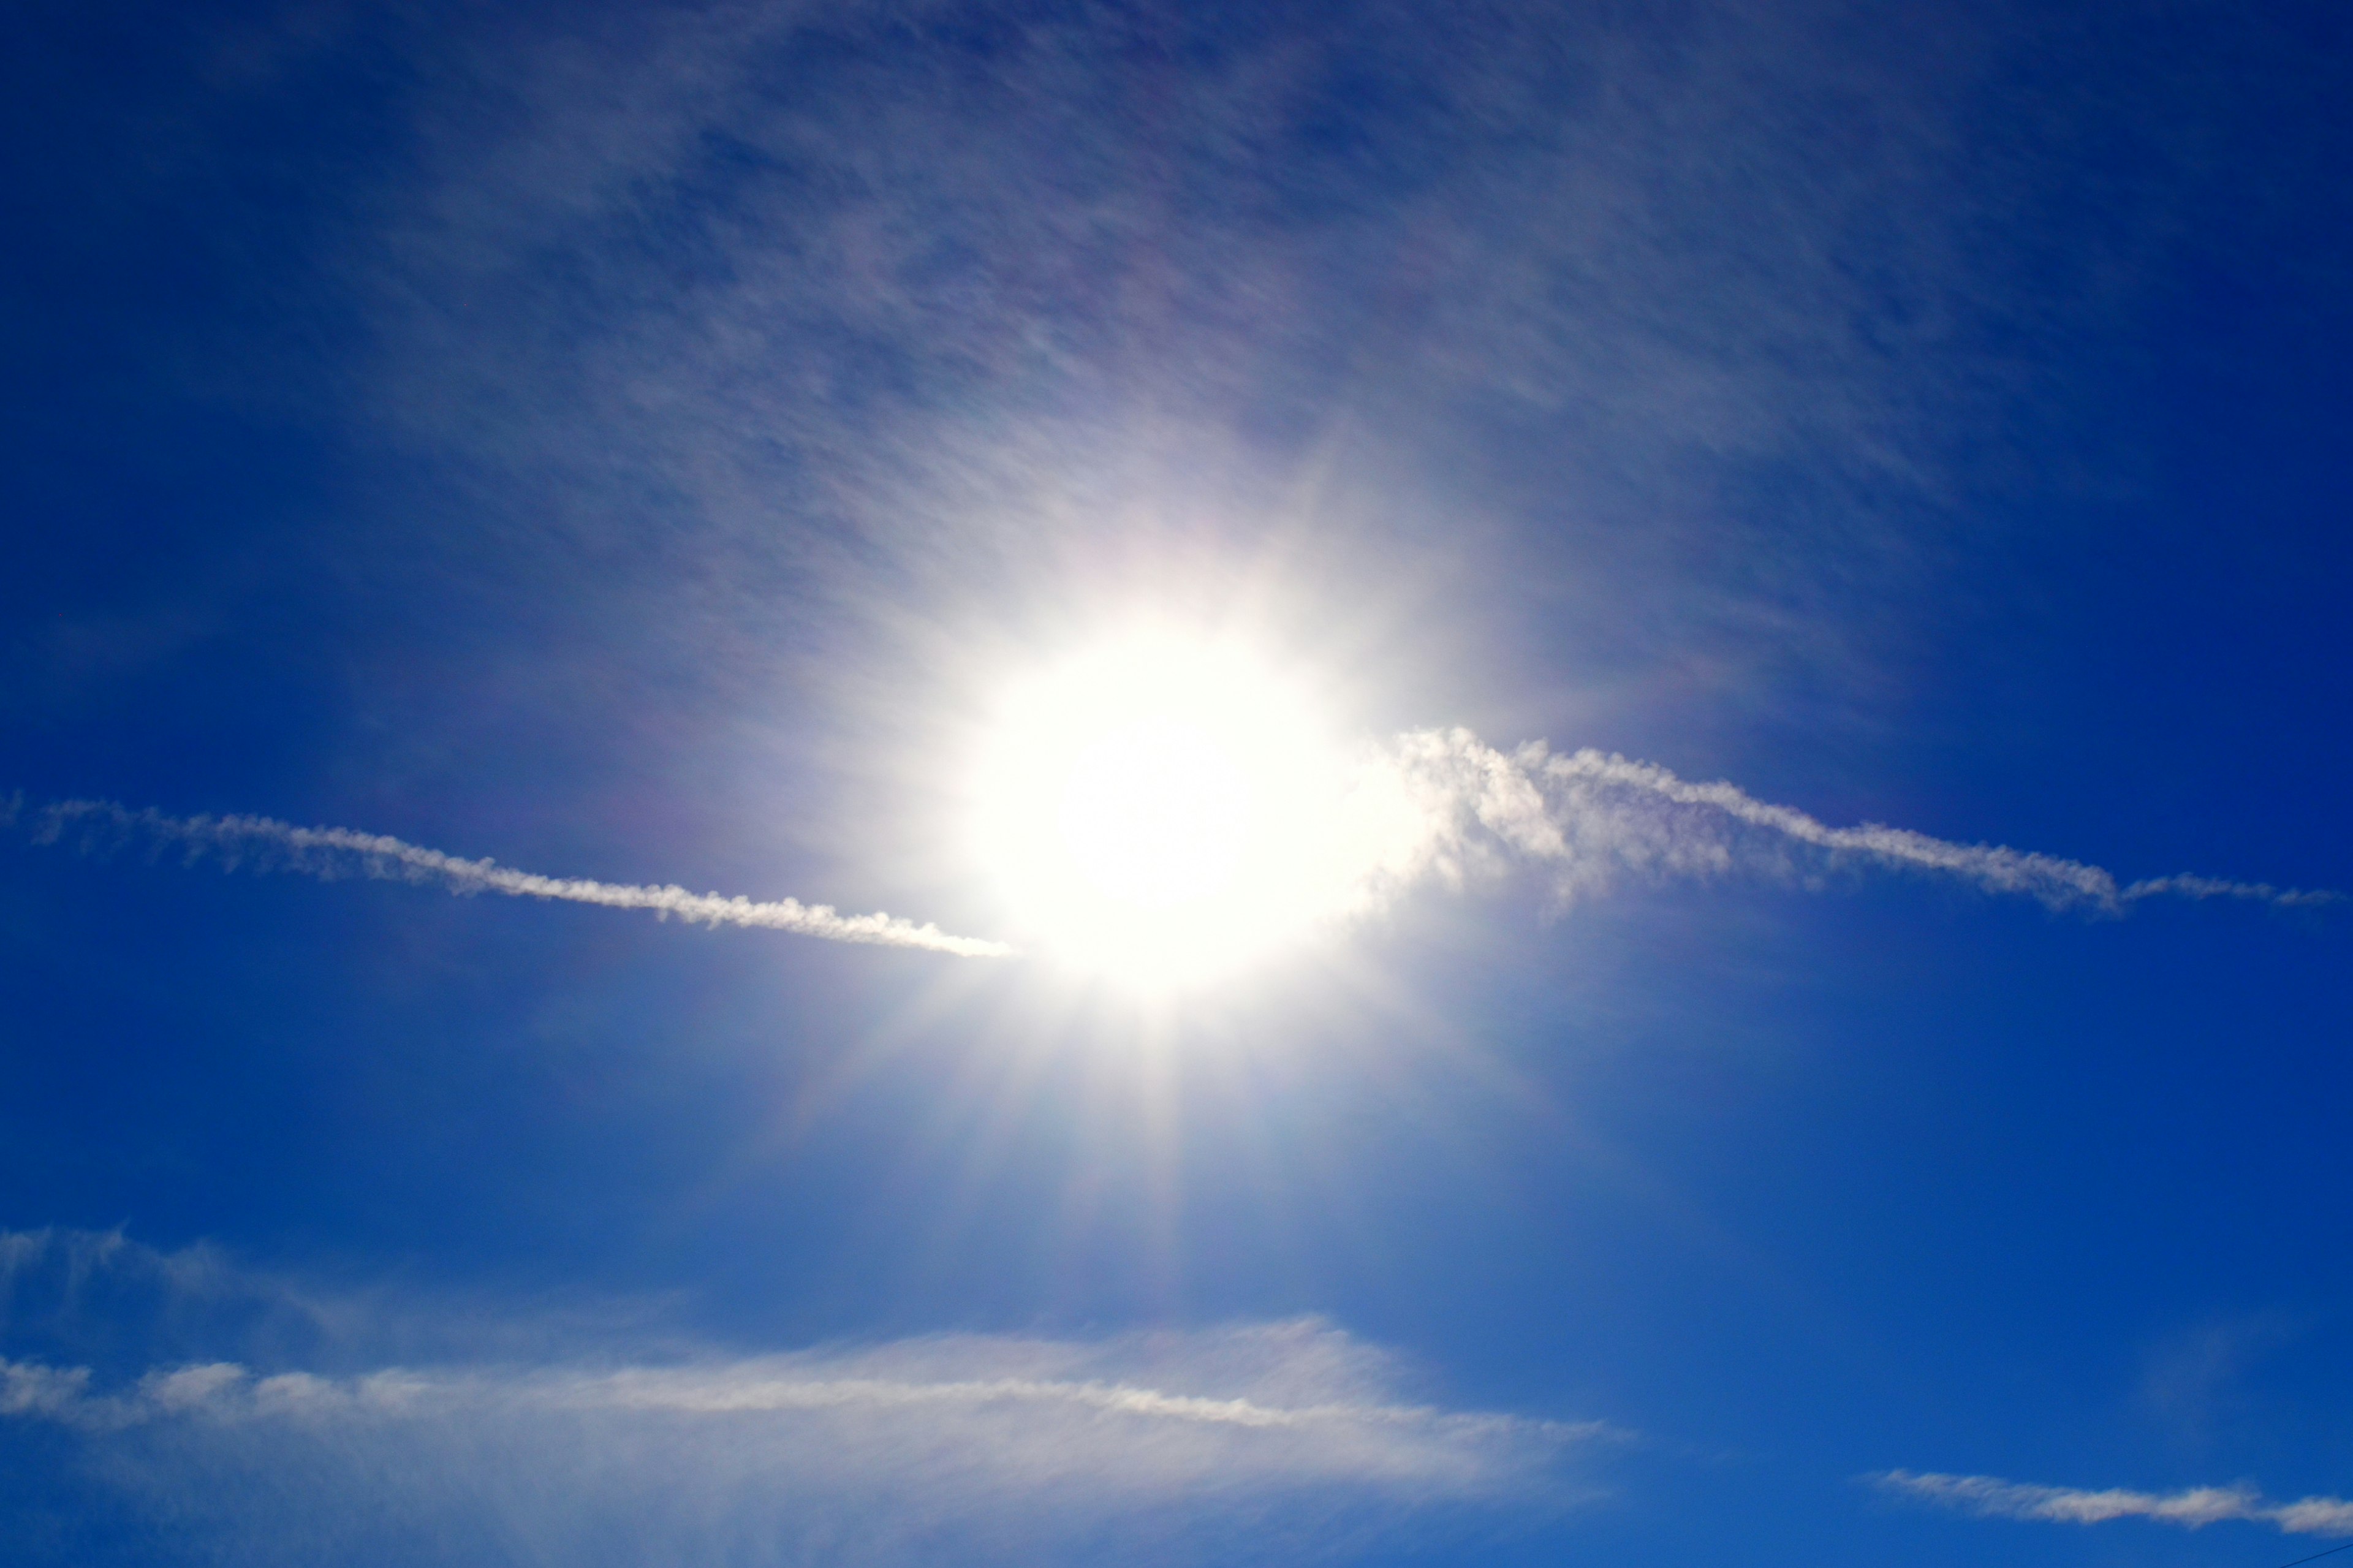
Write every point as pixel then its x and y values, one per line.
pixel 941 783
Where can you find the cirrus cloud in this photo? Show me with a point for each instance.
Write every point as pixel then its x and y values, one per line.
pixel 2193 1507
pixel 1285 1439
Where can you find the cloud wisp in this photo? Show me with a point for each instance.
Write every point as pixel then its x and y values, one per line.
pixel 1590 817
pixel 330 853
pixel 1991 1497
pixel 1005 1448
pixel 995 1382
pixel 1431 804
pixel 1278 1441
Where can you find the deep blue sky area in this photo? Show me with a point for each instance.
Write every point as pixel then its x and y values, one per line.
pixel 642 443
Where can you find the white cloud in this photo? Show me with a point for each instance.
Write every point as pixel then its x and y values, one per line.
pixel 876 1453
pixel 1592 817
pixel 1294 1401
pixel 1275 1440
pixel 1433 804
pixel 331 852
pixel 2193 1509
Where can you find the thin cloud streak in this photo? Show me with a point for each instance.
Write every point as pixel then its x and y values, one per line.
pixel 775 1386
pixel 1991 1497
pixel 1433 804
pixel 182 1388
pixel 329 853
pixel 1273 1443
pixel 1592 816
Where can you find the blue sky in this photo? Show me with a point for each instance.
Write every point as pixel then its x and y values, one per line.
pixel 645 444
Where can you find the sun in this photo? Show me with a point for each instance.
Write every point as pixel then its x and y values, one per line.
pixel 1158 808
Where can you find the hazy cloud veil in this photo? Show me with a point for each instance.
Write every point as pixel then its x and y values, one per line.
pixel 851 315
pixel 559 1441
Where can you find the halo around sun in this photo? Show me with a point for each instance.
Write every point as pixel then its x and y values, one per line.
pixel 1160 809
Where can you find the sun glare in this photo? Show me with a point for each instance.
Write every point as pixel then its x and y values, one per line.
pixel 1158 809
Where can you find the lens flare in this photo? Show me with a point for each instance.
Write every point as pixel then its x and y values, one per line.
pixel 1159 809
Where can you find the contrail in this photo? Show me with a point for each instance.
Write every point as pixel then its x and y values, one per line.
pixel 331 852
pixel 1431 802
pixel 1592 815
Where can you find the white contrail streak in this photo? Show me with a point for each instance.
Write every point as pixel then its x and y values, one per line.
pixel 331 852
pixel 1431 802
pixel 1591 814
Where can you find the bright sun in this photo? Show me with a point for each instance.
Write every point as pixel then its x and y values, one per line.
pixel 1159 809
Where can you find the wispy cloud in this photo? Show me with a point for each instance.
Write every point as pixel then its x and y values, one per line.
pixel 1341 1429
pixel 1991 1497
pixel 266 844
pixel 1433 804
pixel 1592 817
pixel 954 1446
pixel 847 301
